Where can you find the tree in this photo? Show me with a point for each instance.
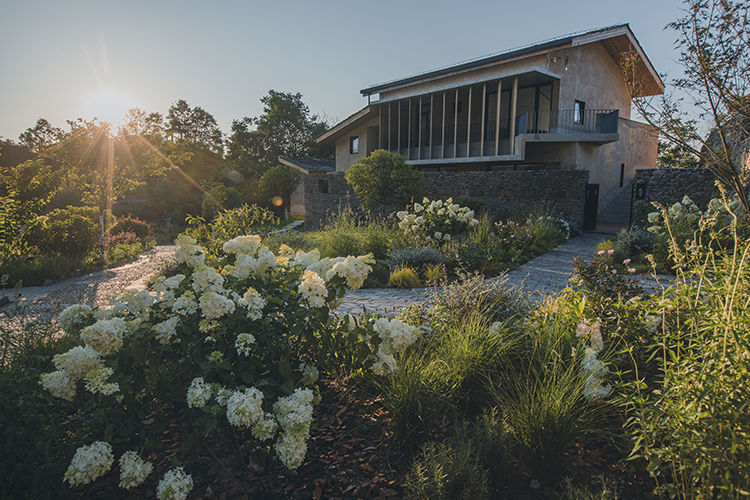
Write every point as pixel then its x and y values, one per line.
pixel 278 183
pixel 41 136
pixel 714 39
pixel 675 156
pixel 194 125
pixel 286 128
pixel 384 180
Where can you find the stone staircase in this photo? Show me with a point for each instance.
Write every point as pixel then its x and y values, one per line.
pixel 617 211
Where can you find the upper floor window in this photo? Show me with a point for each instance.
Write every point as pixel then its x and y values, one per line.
pixel 354 145
pixel 578 110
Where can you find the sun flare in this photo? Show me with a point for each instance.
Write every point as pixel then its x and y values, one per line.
pixel 109 106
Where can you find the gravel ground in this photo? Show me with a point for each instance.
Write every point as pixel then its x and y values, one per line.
pixel 42 303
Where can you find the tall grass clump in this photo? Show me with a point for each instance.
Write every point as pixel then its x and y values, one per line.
pixel 687 405
pixel 462 466
pixel 347 234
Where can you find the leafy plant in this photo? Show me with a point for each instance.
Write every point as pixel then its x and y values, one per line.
pixel 383 179
pixel 404 277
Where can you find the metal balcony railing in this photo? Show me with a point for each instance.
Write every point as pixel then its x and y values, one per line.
pixel 568 121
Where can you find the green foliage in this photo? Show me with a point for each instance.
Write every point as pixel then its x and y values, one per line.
pixel 34 271
pixel 417 256
pixel 672 155
pixel 687 404
pixel 286 128
pixel 278 183
pixel 130 224
pixel 383 180
pixel 345 234
pixel 605 280
pixel 462 466
pixel 218 197
pixel 404 277
pixel 38 433
pixel 71 232
pixel 230 224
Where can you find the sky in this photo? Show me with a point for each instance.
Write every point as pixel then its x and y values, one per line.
pixel 77 59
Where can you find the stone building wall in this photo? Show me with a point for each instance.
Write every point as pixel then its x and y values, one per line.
pixel 668 186
pixel 502 191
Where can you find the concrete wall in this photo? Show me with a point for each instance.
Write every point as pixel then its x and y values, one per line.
pixel 344 159
pixel 502 192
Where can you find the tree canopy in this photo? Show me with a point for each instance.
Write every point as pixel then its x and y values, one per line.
pixel 384 180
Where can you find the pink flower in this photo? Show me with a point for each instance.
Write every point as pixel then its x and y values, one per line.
pixel 610 252
pixel 614 271
pixel 631 270
pixel 626 262
pixel 600 252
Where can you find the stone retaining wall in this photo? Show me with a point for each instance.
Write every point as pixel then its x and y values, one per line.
pixel 668 186
pixel 502 192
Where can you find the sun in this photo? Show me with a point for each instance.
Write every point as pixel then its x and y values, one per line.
pixel 109 107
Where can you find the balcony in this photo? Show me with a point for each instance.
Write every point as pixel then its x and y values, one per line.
pixel 598 126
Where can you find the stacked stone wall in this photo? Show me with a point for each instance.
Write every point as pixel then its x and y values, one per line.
pixel 502 192
pixel 668 186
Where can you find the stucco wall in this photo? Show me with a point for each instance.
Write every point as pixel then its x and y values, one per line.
pixel 502 192
pixel 344 159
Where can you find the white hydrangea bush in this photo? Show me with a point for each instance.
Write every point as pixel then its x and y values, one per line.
pixel 593 370
pixel 240 340
pixel 436 220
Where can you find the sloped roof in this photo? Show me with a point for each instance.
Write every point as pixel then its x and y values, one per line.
pixel 359 118
pixel 616 40
pixel 309 165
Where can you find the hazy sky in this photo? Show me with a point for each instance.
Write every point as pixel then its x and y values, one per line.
pixel 58 56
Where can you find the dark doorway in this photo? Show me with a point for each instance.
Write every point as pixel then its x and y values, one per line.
pixel 591 207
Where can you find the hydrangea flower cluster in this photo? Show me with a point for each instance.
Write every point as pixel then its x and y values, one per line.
pixel 75 317
pixel 133 470
pixel 175 485
pixel 395 336
pixel 89 463
pixel 436 220
pixel 294 414
pixel 72 366
pixel 202 319
pixel 593 370
pixel 686 211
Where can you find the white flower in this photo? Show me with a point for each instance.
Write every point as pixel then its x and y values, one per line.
pixel 89 463
pixel 96 381
pixel 265 428
pixel 354 269
pixel 592 331
pixel 291 449
pixel 294 412
pixel 310 374
pixel 305 260
pixel 167 329
pixel 253 302
pixel 395 335
pixel 188 252
pixel 244 343
pixel 185 305
pixel 176 485
pixel 222 396
pixel 214 305
pixel 438 235
pixel 105 336
pixel 384 365
pixel 313 289
pixel 206 278
pixel 59 384
pixel 199 393
pixel 594 371
pixel 133 470
pixel 78 361
pixel 246 245
pixel 132 302
pixel 74 317
pixel 244 407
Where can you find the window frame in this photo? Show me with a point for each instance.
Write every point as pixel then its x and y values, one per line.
pixel 354 145
pixel 579 111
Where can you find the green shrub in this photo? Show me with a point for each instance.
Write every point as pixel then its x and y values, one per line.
pixel 383 179
pixel 230 224
pixel 34 271
pixel 433 274
pixel 404 277
pixel 417 257
pixel 130 224
pixel 475 204
pixel 346 234
pixel 688 406
pixel 71 232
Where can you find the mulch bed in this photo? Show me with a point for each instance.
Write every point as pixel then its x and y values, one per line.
pixel 350 457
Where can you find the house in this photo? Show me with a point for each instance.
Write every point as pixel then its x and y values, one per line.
pixel 559 104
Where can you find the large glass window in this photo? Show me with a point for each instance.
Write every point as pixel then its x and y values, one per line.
pixel 579 110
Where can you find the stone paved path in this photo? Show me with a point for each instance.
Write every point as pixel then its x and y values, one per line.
pixel 547 274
